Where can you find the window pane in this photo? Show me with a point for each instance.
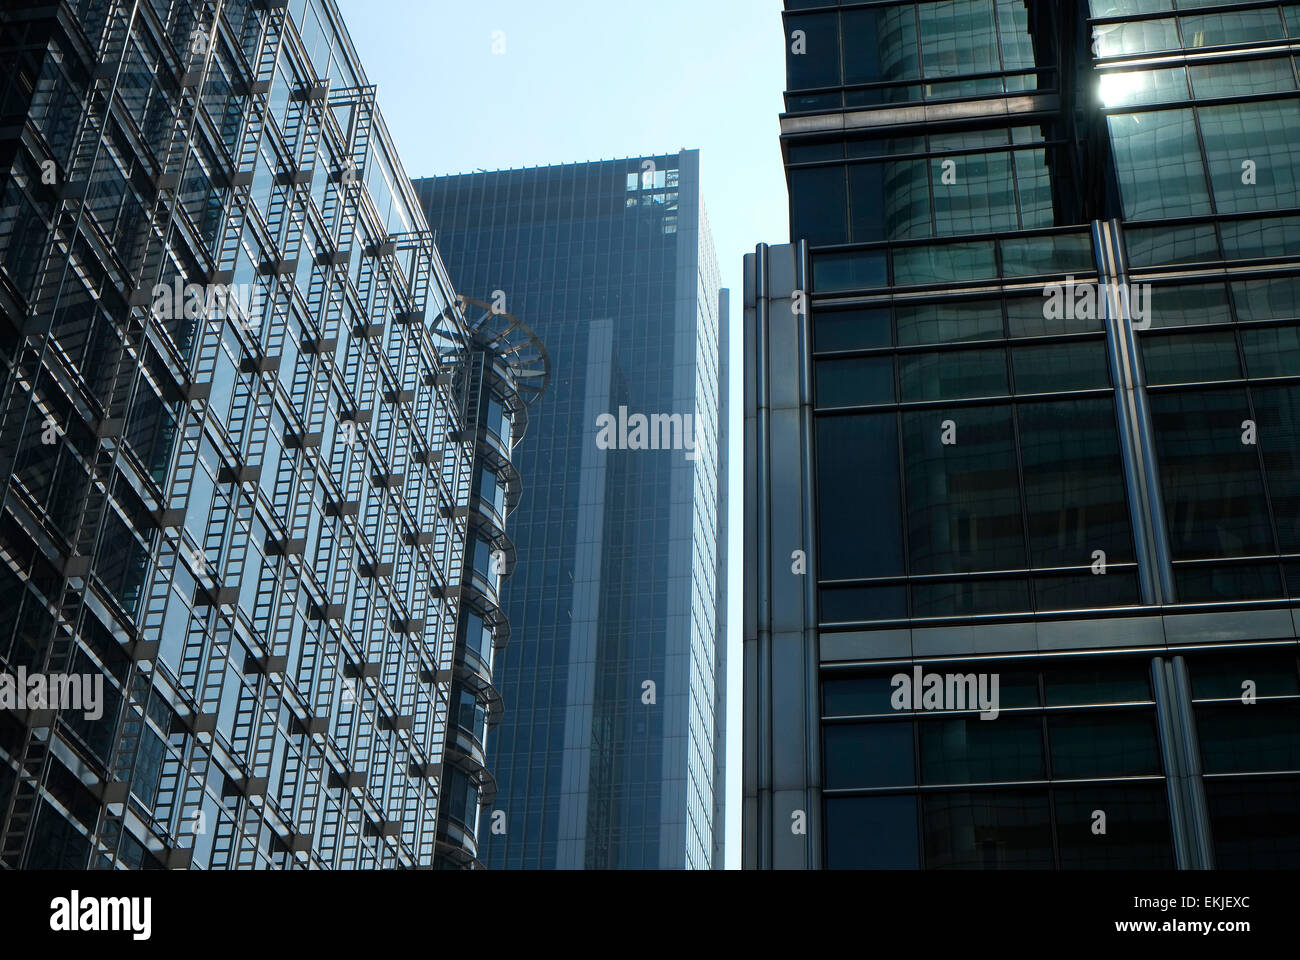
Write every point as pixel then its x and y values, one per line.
pixel 1242 78
pixel 1242 26
pixel 958 37
pixel 890 201
pixel 1273 299
pixel 1240 737
pixel 1143 36
pixel 949 322
pixel 1028 317
pixel 882 44
pixel 944 263
pixel 1191 358
pixel 871 833
pixel 1159 162
pixel 1117 588
pixel 1213 492
pixel 859 524
pixel 973 194
pixel 819 205
pixel 963 507
pixel 954 375
pixel 972 750
pixel 819 63
pixel 1103 744
pixel 989 830
pixel 851 696
pixel 838 272
pixel 969 597
pixel 1278 412
pixel 1264 134
pixel 1059 253
pixel 1246 239
pixel 1272 672
pixel 1056 367
pixel 1126 88
pixel 1255 823
pixel 851 329
pixel 1087 683
pixel 1034 184
pixel 1137 833
pixel 1074 486
pixel 858 604
pixel 1187 304
pixel 1237 581
pixel 869 754
pixel 849 383
pixel 1170 245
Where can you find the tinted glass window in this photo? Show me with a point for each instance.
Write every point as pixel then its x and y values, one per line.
pixel 871 833
pixel 1137 835
pixel 818 205
pixel 1103 744
pixel 858 496
pixel 974 750
pixel 1240 737
pixel 869 754
pixel 1213 491
pixel 963 497
pixel 988 830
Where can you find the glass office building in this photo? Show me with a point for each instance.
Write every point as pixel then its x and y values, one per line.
pixel 239 422
pixel 606 745
pixel 1030 367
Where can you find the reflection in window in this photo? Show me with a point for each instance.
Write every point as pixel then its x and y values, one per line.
pixel 882 43
pixel 1158 158
pixel 1213 492
pixel 1057 367
pixel 953 375
pixel 1191 358
pixel 973 750
pixel 1074 483
pixel 988 830
pixel 949 322
pixel 1140 36
pixel 963 499
pixel 1239 26
pixel 1265 135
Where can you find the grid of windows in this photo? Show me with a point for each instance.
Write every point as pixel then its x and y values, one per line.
pixel 974 454
pixel 616 584
pixel 1019 791
pixel 233 468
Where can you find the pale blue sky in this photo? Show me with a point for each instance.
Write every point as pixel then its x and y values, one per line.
pixel 595 80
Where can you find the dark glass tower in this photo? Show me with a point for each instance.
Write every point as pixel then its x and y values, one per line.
pixel 1030 371
pixel 607 742
pixel 238 445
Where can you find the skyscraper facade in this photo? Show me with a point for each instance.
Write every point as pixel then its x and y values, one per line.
pixel 1029 372
pixel 606 744
pixel 239 430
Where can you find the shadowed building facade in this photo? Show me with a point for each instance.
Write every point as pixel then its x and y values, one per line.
pixel 1029 370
